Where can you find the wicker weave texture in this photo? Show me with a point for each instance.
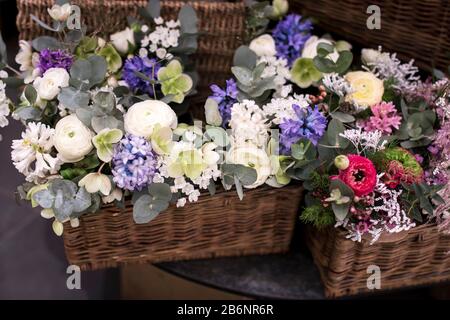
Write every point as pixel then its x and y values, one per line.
pixel 221 25
pixel 416 257
pixel 218 225
pixel 413 28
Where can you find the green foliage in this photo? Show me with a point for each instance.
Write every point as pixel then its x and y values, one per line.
pixel 102 113
pixel 341 209
pixel 248 76
pixel 64 198
pixel 258 18
pixel 317 215
pixel 325 65
pixel 149 205
pixel 418 199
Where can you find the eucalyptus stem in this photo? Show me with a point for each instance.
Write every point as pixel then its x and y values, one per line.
pixel 13 70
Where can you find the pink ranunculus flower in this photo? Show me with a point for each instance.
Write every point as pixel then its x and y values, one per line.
pixel 385 118
pixel 360 176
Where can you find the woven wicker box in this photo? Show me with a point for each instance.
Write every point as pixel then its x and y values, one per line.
pixel 413 28
pixel 221 27
pixel 416 257
pixel 215 226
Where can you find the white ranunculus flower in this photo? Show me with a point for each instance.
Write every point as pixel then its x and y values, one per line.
pixel 49 85
pixel 263 46
pixel 121 40
pixel 143 116
pixel 250 155
pixel 310 48
pixel 60 13
pixel 96 182
pixel 72 139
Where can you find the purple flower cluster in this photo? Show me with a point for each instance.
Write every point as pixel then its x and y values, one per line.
pixel 134 163
pixel 54 59
pixel 290 35
pixel 148 67
pixel 225 98
pixel 310 124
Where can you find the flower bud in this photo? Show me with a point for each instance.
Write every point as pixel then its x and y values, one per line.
pixel 341 162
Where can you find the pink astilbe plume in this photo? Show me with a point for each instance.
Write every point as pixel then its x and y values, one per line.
pixel 385 118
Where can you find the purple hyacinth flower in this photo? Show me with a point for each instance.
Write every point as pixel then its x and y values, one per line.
pixel 290 35
pixel 134 163
pixel 148 67
pixel 309 124
pixel 54 59
pixel 225 99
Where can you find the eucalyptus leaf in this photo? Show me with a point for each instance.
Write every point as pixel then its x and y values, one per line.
pixel 105 122
pixel 28 113
pixel 82 200
pixel 141 210
pixel 218 135
pixel 239 189
pixel 73 99
pixel 154 8
pixel 243 75
pixel 46 42
pixel 344 61
pixel 343 117
pixel 160 191
pixel 44 198
pixel 188 20
pixel 244 57
pixel 30 94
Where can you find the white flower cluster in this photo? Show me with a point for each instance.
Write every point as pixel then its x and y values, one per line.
pixel 277 67
pixel 190 191
pixel 336 84
pixel 31 154
pixel 388 66
pixel 249 123
pixel 4 105
pixel 365 140
pixel 281 108
pixel 165 35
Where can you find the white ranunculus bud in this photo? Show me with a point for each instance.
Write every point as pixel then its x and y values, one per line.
pixel 49 85
pixel 263 46
pixel 142 117
pixel 249 155
pixel 369 56
pixel 122 39
pixel 73 140
pixel 310 48
pixel 280 8
pixel 112 82
pixel 60 13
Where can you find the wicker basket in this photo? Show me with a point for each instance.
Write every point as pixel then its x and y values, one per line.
pixel 218 225
pixel 419 256
pixel 221 24
pixel 413 28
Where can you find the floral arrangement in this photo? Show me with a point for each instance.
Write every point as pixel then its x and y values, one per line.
pixel 368 141
pixel 100 114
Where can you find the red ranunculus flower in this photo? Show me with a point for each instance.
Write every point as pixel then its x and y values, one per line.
pixel 360 176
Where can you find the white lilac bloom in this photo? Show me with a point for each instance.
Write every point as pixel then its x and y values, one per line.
pixel 336 84
pixel 164 36
pixel 281 108
pixel 32 156
pixel 249 123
